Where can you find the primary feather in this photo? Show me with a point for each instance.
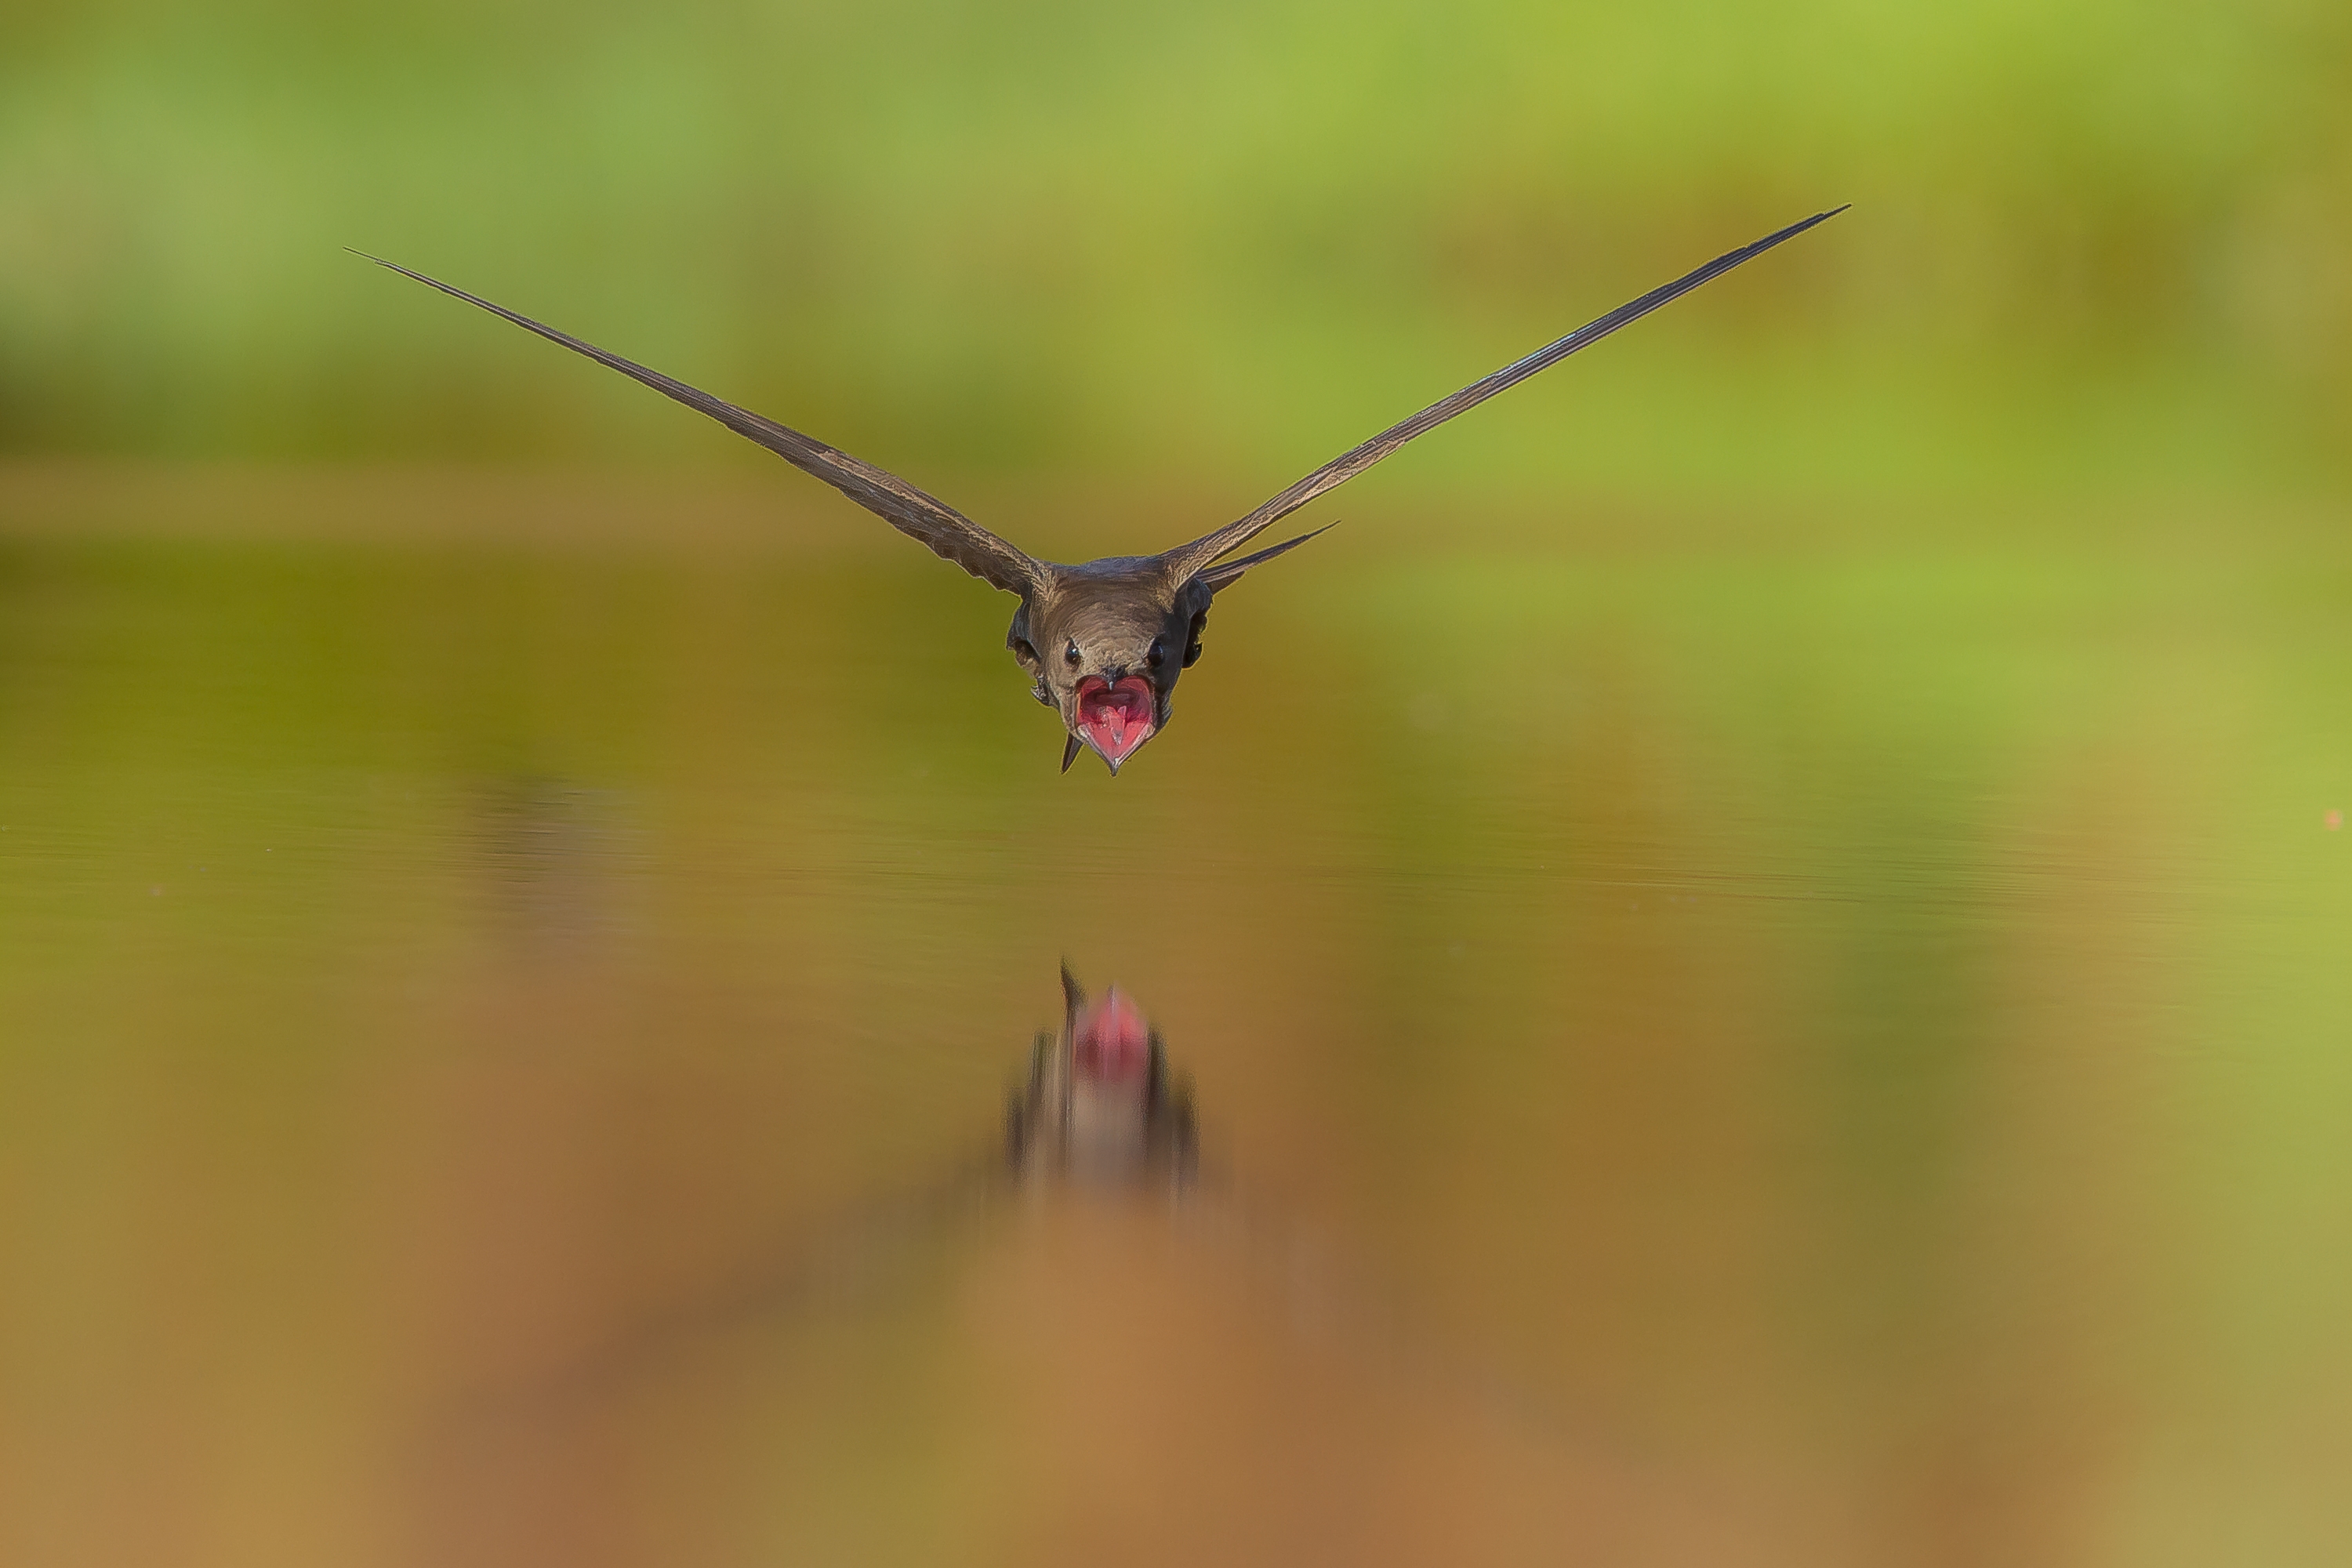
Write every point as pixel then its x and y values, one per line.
pixel 1355 460
pixel 926 518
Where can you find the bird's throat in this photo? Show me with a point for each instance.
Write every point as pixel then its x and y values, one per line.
pixel 1115 719
pixel 1109 1040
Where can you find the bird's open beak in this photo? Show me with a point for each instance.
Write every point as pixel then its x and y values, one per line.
pixel 1111 1040
pixel 1115 719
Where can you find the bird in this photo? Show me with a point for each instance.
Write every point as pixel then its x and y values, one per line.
pixel 1103 642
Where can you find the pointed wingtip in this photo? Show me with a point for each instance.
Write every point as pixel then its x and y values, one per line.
pixel 445 289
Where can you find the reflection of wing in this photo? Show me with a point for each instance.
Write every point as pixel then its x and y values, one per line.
pixel 1053 1142
pixel 1348 464
pixel 1055 1135
pixel 871 1252
pixel 1326 1293
pixel 920 516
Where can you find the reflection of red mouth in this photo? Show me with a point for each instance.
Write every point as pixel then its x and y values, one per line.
pixel 1115 719
pixel 1111 1040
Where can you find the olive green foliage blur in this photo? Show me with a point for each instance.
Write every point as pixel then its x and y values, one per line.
pixel 2094 241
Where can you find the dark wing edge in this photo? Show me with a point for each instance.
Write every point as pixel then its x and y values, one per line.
pixel 947 531
pixel 1192 558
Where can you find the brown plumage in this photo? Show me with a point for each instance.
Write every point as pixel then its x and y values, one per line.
pixel 1104 643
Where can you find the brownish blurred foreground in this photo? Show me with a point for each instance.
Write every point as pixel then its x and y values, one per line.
pixel 1819 1054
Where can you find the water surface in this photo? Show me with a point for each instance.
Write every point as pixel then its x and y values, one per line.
pixel 1833 1053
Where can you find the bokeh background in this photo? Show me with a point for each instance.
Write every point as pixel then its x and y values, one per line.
pixel 2096 244
pixel 1760 938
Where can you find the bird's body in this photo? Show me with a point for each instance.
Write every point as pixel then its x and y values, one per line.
pixel 1104 642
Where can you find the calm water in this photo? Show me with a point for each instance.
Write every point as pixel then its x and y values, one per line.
pixel 1835 1054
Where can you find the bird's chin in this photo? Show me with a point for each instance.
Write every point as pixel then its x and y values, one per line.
pixel 1115 720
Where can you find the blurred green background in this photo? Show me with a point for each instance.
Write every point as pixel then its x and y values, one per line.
pixel 1803 923
pixel 2095 244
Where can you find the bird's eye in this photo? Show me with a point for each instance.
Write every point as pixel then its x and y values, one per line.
pixel 1155 655
pixel 1070 655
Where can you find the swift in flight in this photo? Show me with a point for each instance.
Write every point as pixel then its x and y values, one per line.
pixel 1103 643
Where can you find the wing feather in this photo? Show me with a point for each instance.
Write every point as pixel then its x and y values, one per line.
pixel 924 518
pixel 1191 558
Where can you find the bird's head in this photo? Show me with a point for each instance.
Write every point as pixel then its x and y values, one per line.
pixel 1104 645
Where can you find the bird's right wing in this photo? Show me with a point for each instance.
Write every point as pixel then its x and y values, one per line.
pixel 924 518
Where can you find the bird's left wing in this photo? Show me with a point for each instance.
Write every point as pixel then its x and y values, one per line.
pixel 1189 559
pixel 922 517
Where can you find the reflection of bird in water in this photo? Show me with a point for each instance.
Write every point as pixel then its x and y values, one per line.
pixel 1123 1305
pixel 1100 1107
pixel 1101 1115
pixel 1104 643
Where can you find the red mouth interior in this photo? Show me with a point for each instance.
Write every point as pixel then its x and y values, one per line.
pixel 1115 719
pixel 1111 1040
